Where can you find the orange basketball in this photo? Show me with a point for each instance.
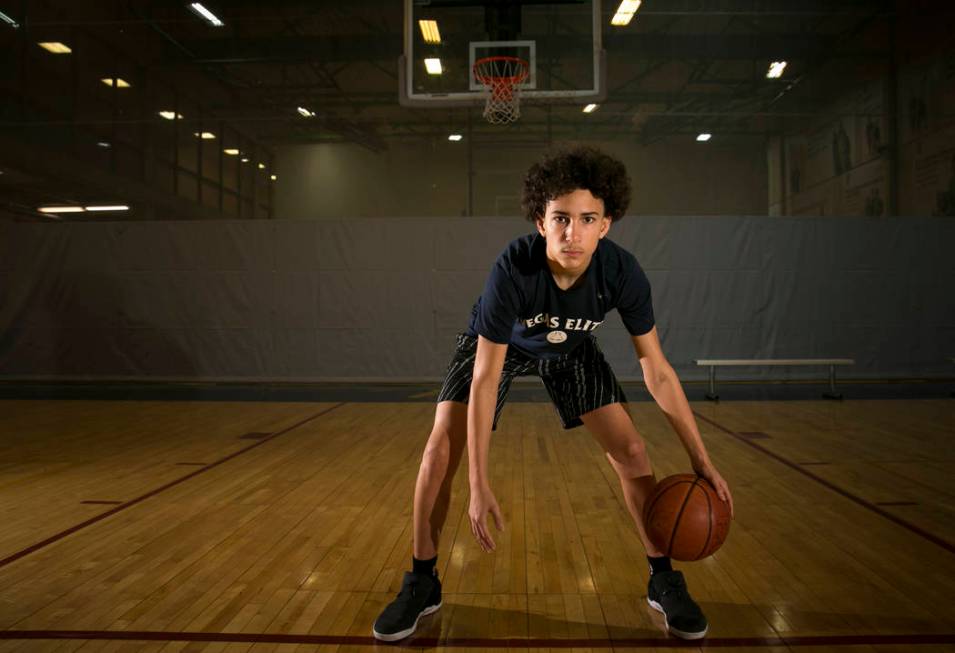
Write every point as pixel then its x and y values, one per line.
pixel 685 518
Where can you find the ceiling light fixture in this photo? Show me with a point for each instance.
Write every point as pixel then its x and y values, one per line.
pixel 305 113
pixel 231 151
pixel 108 207
pixel 590 108
pixel 116 82
pixel 9 21
pixel 60 209
pixel 202 12
pixel 776 70
pixel 625 13
pixel 170 115
pixel 704 137
pixel 55 47
pixel 455 137
pixel 206 136
pixel 429 31
pixel 433 66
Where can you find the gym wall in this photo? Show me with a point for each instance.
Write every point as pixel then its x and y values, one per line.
pixel 676 176
pixel 379 298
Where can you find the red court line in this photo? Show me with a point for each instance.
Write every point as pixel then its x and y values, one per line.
pixel 132 502
pixel 918 530
pixel 481 642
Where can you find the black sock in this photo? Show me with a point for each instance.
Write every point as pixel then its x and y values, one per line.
pixel 659 564
pixel 426 567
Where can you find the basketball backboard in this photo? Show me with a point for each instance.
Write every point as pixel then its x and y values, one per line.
pixel 559 39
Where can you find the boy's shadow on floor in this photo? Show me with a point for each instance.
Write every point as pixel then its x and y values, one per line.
pixel 634 623
pixel 477 626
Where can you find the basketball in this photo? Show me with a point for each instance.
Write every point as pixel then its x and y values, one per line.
pixel 685 518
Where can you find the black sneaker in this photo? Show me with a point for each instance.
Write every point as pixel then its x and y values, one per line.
pixel 420 595
pixel 667 593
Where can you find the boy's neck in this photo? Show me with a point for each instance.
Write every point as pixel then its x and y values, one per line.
pixel 565 279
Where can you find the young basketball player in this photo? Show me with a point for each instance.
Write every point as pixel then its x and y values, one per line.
pixel 546 294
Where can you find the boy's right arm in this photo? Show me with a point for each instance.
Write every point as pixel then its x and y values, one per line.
pixel 488 365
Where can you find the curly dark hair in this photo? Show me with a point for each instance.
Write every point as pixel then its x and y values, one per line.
pixel 581 167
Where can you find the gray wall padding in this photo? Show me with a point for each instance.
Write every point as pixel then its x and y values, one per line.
pixel 382 298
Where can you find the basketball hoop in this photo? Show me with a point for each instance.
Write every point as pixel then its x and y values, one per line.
pixel 502 76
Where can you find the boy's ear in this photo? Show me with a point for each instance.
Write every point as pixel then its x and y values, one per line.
pixel 605 227
pixel 539 221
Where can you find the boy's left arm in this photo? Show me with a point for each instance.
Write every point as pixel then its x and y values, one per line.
pixel 664 385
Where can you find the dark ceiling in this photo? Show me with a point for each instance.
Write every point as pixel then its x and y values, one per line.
pixel 681 66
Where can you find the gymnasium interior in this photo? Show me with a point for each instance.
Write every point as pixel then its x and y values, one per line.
pixel 238 240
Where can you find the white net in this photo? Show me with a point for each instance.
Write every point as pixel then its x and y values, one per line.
pixel 502 77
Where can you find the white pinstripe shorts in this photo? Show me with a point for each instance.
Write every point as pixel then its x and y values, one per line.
pixel 577 383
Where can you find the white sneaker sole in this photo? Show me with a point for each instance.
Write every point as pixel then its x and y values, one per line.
pixel 394 637
pixel 679 633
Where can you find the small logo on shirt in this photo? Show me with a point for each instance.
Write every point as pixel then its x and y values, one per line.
pixel 556 337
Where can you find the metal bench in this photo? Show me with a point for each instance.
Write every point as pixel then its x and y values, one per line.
pixel 756 362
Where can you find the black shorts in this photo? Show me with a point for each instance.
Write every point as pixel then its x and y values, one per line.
pixel 577 383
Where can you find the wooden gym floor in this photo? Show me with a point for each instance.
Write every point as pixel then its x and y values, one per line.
pixel 256 526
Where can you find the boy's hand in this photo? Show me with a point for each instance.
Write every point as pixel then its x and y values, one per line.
pixel 722 489
pixel 482 502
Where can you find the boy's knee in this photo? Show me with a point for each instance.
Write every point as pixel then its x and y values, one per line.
pixel 632 459
pixel 438 449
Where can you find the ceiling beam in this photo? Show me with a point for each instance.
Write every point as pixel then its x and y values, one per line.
pixel 380 47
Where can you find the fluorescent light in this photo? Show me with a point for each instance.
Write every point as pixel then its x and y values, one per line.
pixel 206 136
pixel 60 209
pixel 201 11
pixel 108 207
pixel 704 137
pixel 625 12
pixel 118 82
pixel 170 115
pixel 261 166
pixel 245 159
pixel 55 47
pixel 455 137
pixel 305 113
pixel 776 70
pixel 433 66
pixel 104 145
pixel 429 31
pixel 275 177
pixel 590 108
pixel 231 151
pixel 9 21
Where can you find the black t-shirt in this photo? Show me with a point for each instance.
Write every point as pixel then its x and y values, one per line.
pixel 523 306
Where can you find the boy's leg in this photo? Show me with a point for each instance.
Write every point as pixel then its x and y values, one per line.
pixel 420 593
pixel 625 449
pixel 420 589
pixel 439 463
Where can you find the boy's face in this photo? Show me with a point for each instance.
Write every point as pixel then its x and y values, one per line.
pixel 573 224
